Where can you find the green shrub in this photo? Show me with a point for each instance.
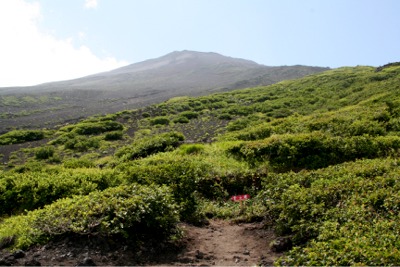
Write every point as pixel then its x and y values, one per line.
pixel 146 115
pixel 21 136
pixel 34 188
pixel 183 175
pixel 181 120
pixel 225 116
pixel 111 136
pixel 93 127
pixel 78 163
pixel 342 215
pixel 238 124
pixel 192 148
pixel 81 143
pixel 253 133
pixel 161 120
pixel 45 152
pixel 189 114
pixel 135 212
pixel 150 145
pixel 63 138
pixel 315 150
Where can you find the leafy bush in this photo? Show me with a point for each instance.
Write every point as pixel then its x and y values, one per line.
pixel 44 152
pixel 150 145
pixel 74 163
pixel 189 114
pixel 161 120
pixel 252 133
pixel 111 136
pixel 315 150
pixel 81 143
pixel 33 189
pixel 134 211
pixel 181 120
pixel 91 128
pixel 192 148
pixel 21 136
pixel 183 175
pixel 192 176
pixel 225 116
pixel 145 115
pixel 238 124
pixel 339 215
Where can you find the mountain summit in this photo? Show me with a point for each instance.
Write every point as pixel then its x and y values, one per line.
pixel 180 73
pixel 184 59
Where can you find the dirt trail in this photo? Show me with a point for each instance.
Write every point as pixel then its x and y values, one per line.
pixel 225 243
pixel 221 243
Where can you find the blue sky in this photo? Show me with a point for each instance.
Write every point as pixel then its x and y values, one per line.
pixel 48 40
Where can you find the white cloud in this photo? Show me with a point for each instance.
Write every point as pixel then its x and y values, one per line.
pixel 28 56
pixel 90 3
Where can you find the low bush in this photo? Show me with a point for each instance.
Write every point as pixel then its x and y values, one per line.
pixel 189 114
pixel 74 163
pixel 81 143
pixel 345 214
pixel 225 116
pixel 190 149
pixel 92 128
pixel 44 152
pixel 21 136
pixel 238 124
pixel 183 175
pixel 112 136
pixel 161 120
pixel 251 133
pixel 34 189
pixel 150 145
pixel 134 212
pixel 181 120
pixel 315 150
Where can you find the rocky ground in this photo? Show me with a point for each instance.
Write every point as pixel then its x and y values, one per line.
pixel 221 243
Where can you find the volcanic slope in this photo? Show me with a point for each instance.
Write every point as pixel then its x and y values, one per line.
pixel 176 74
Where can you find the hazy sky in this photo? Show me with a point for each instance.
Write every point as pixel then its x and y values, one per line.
pixel 48 40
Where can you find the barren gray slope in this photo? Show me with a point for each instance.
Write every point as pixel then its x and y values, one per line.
pixel 178 73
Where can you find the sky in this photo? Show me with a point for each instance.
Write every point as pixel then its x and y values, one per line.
pixel 51 40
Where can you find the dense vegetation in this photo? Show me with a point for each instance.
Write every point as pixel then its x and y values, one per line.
pixel 319 156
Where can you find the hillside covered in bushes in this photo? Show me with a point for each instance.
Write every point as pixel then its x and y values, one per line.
pixel 319 156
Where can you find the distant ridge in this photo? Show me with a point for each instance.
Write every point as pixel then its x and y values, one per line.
pixel 178 73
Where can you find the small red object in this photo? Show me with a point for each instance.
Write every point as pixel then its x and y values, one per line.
pixel 240 197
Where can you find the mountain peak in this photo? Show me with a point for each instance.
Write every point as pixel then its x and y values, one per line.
pixel 186 59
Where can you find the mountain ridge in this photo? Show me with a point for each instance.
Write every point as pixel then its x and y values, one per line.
pixel 178 73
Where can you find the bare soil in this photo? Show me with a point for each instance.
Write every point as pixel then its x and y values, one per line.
pixel 220 243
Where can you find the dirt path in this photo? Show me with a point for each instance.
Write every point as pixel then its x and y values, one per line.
pixel 220 243
pixel 223 243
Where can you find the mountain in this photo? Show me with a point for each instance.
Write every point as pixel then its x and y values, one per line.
pixel 181 73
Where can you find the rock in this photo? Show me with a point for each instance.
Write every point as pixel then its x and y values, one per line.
pixel 199 254
pixel 19 254
pixel 5 262
pixel 246 252
pixel 87 262
pixel 32 262
pixel 281 244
